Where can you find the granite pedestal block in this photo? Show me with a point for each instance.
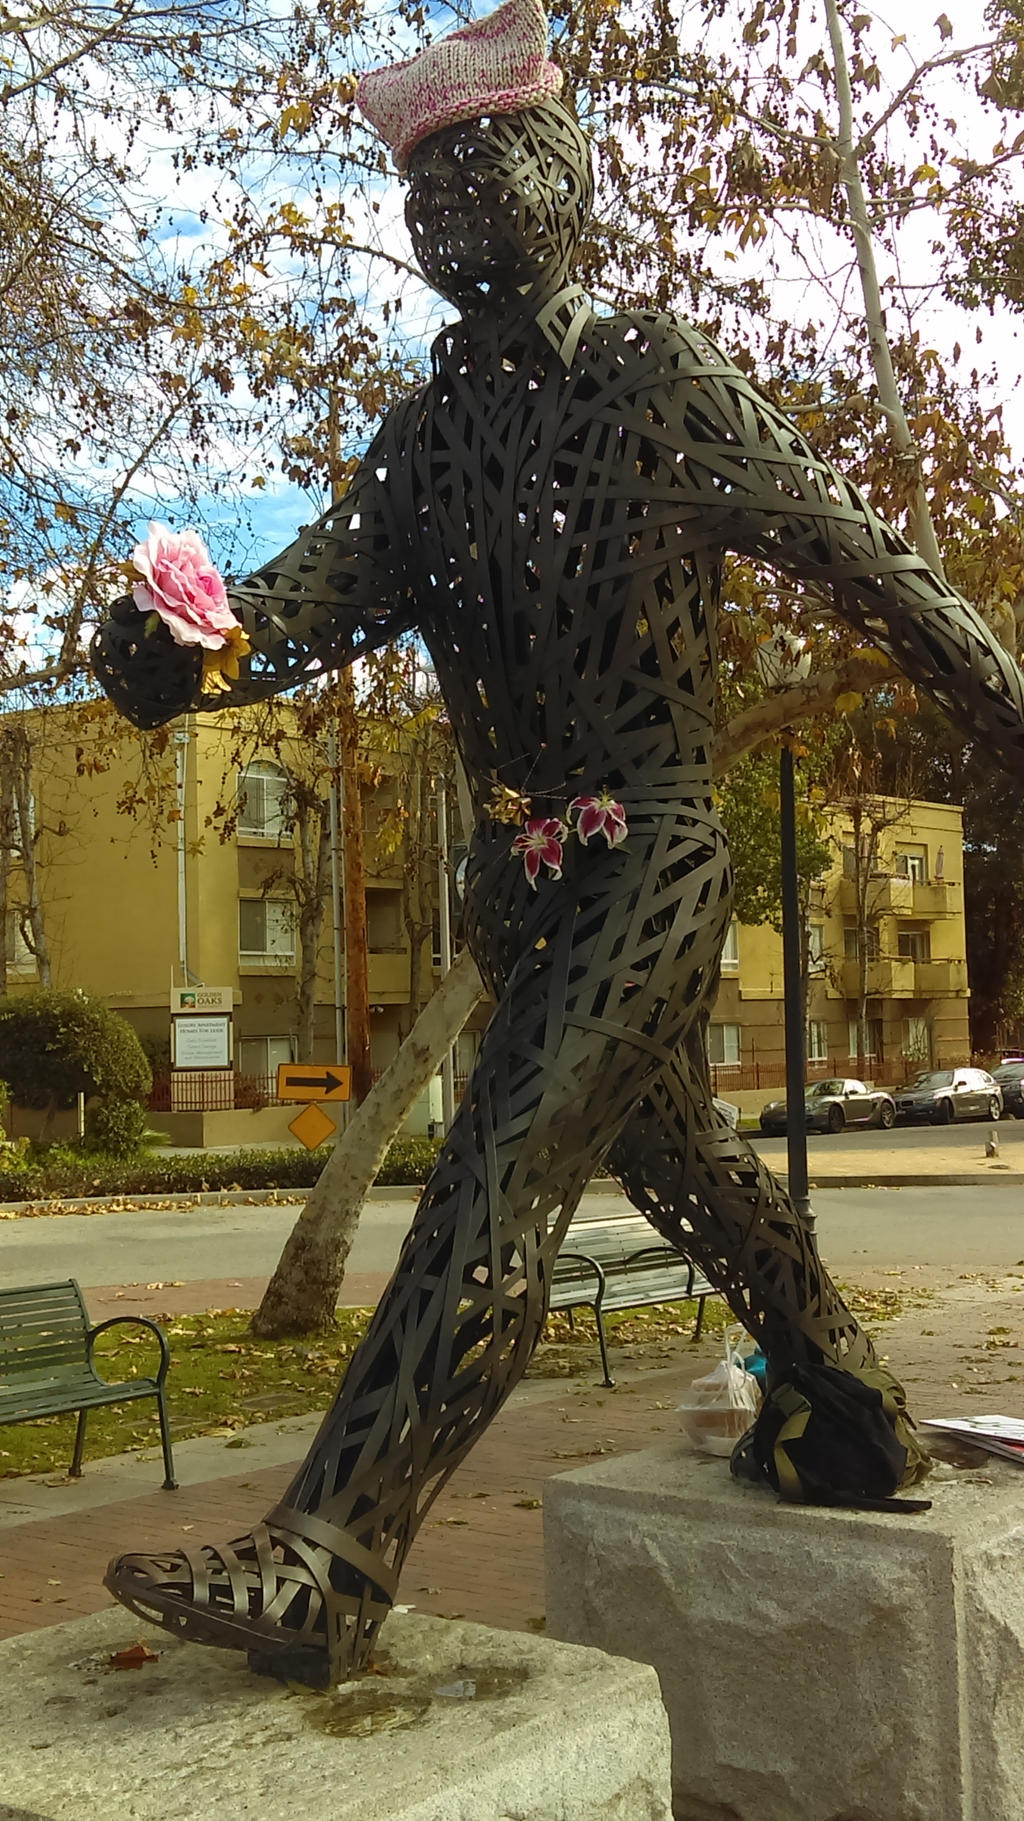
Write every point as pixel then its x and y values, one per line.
pixel 817 1665
pixel 462 1724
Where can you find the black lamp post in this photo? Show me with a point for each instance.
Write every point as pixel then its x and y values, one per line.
pixel 782 660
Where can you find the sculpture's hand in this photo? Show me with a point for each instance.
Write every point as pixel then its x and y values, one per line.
pixel 784 503
pixel 145 674
pixel 338 591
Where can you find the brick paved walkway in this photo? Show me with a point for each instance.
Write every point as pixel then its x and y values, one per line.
pixel 478 1555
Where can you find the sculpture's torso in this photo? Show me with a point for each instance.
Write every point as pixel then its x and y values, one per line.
pixel 563 569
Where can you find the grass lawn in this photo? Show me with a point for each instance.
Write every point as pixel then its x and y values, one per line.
pixel 222 1379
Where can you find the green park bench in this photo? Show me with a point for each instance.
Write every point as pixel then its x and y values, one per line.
pixel 47 1368
pixel 609 1264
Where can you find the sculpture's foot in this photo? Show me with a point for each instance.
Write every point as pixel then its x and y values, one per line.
pixel 303 1598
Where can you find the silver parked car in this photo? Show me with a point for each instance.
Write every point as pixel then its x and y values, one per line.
pixel 942 1095
pixel 831 1106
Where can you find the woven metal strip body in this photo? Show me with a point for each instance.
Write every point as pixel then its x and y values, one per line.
pixel 551 512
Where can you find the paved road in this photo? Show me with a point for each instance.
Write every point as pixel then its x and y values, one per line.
pixel 943 1231
pixel 875 1147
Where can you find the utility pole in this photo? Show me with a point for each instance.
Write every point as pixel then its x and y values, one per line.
pixel 357 959
pixel 445 918
pixel 357 966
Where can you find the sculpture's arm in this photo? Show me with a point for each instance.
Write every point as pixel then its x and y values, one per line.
pixel 334 594
pixel 781 501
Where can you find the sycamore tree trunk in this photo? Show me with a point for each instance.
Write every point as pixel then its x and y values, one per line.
pixel 303 1292
pixel 21 782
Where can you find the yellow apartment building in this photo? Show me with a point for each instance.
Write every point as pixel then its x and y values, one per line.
pixel 193 889
pixel 898 898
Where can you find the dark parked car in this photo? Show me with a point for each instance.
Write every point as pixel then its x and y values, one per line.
pixel 832 1105
pixel 942 1095
pixel 1010 1076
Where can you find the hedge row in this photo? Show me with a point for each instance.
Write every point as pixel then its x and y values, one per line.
pixel 61 1172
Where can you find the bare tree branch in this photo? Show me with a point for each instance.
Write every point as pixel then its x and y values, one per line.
pixel 763 720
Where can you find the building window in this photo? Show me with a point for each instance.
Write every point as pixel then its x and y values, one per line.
pixel 817 1040
pixel 384 931
pixel 872 1039
pixel 266 929
pixel 857 863
pixel 731 950
pixel 815 947
pixel 20 958
pixel 263 803
pixel 917 1041
pixel 911 863
pixel 851 942
pixel 261 1055
pixel 724 1045
pixel 914 944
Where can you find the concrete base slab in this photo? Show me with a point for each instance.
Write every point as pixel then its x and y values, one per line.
pixel 816 1665
pixel 462 1724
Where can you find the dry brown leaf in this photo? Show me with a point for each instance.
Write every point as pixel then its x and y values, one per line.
pixel 134 1656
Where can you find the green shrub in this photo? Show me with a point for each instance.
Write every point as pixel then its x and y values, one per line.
pixel 115 1127
pixel 55 1046
pixel 59 1171
pixel 409 1161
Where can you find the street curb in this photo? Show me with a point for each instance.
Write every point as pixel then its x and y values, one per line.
pixel 1008 1180
pixel 224 1198
pixel 233 1198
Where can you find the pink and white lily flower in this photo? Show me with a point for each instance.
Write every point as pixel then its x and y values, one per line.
pixel 599 816
pixel 541 845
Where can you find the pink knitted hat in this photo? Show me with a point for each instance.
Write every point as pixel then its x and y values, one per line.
pixel 496 65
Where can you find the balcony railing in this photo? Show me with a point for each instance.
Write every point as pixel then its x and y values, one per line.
pixel 894 895
pixel 892 978
pixel 937 978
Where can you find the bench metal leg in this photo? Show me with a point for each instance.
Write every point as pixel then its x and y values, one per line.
pixel 701 1300
pixel 608 1379
pixel 75 1469
pixel 170 1483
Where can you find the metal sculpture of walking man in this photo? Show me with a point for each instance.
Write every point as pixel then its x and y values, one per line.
pixel 550 513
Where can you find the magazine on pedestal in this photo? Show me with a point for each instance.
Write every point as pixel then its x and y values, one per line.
pixel 999 1434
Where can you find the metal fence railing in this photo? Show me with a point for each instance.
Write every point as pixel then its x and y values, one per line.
pixel 211 1091
pixel 884 1071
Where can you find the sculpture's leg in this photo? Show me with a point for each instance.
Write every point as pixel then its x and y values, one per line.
pixel 705 1188
pixel 603 990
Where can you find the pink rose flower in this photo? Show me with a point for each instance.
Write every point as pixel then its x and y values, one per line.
pixel 599 816
pixel 541 844
pixel 181 586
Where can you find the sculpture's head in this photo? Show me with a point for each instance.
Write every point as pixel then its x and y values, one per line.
pixel 500 177
pixel 498 204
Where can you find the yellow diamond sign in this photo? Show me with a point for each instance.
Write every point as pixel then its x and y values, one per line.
pixel 311 1127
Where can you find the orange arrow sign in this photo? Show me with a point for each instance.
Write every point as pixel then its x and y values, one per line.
pixel 313 1081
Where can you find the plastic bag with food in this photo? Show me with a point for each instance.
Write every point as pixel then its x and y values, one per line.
pixel 719 1408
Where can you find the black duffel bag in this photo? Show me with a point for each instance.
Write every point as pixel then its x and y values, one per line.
pixel 827 1436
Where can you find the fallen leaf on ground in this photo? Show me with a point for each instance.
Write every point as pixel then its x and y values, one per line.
pixel 134 1656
